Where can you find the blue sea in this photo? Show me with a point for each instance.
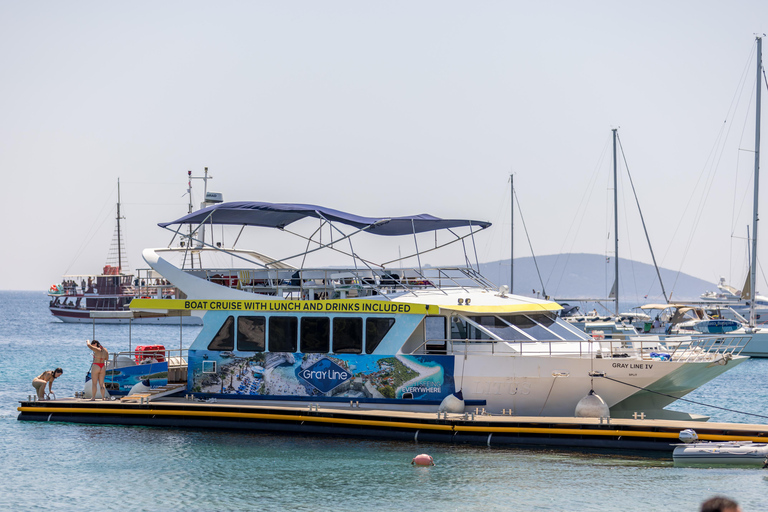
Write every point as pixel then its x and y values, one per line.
pixel 66 466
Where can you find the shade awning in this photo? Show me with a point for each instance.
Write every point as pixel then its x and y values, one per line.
pixel 280 215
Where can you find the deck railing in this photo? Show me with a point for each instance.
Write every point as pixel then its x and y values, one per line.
pixel 335 283
pixel 674 348
pixel 176 359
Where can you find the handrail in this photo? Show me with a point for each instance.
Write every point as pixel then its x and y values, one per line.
pixel 674 348
pixel 333 282
pixel 168 354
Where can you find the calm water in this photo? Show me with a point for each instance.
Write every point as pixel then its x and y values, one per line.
pixel 78 467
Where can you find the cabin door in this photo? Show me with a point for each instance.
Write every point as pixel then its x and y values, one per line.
pixel 435 335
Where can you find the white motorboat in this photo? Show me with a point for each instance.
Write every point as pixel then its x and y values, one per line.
pixel 742 453
pixel 391 336
pixel 730 297
pixel 722 453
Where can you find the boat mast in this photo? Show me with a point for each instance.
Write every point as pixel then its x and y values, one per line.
pixel 512 234
pixel 205 179
pixel 119 241
pixel 753 267
pixel 615 226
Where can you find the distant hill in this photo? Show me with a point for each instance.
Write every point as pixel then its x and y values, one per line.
pixel 590 276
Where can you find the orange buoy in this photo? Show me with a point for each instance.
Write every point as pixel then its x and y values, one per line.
pixel 423 460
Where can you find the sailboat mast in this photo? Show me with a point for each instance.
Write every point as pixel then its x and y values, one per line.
pixel 119 241
pixel 512 234
pixel 753 267
pixel 615 226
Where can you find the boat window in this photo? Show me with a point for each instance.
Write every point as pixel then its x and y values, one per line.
pixel 251 332
pixel 563 330
pixel 225 338
pixel 463 330
pixel 528 324
pixel 375 330
pixel 495 325
pixel 347 335
pixel 315 334
pixel 283 334
pixel 434 332
pixel 434 327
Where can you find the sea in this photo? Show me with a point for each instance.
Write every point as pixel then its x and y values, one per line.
pixel 66 466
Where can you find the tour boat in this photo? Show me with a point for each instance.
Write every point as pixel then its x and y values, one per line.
pixel 104 298
pixel 386 335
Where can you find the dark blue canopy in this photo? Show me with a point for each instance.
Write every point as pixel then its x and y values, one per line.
pixel 279 215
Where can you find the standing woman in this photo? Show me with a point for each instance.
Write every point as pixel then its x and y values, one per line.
pixel 100 356
pixel 47 377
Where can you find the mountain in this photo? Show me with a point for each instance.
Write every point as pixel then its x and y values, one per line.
pixel 590 276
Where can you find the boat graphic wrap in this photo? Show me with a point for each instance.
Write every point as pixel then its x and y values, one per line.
pixel 122 379
pixel 324 375
pixel 356 376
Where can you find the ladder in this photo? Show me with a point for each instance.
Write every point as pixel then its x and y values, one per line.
pixel 168 389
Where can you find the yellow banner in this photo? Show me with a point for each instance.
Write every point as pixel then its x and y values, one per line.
pixel 275 306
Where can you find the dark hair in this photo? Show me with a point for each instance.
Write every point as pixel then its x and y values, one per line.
pixel 94 342
pixel 58 370
pixel 718 504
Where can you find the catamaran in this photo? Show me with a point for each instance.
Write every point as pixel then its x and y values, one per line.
pixel 378 333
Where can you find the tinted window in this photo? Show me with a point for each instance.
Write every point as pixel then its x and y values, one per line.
pixel 225 338
pixel 251 331
pixel 562 330
pixel 497 327
pixel 315 334
pixel 531 327
pixel 283 333
pixel 348 335
pixel 375 330
pixel 461 329
pixel 435 327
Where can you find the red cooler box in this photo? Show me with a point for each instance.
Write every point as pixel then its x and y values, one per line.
pixel 144 352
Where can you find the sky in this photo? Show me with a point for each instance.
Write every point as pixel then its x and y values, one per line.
pixel 381 109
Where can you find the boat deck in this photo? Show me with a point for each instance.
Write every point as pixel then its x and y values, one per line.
pixel 378 424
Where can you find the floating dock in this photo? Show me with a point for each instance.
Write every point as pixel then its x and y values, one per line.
pixel 470 428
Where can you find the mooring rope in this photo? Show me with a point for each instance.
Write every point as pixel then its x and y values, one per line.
pixel 685 399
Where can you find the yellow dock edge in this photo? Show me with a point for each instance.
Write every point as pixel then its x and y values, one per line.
pixel 456 423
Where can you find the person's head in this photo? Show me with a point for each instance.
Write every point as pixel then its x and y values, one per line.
pixel 720 504
pixel 94 342
pixel 57 372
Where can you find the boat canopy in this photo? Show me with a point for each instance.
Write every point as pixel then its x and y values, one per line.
pixel 665 306
pixel 280 215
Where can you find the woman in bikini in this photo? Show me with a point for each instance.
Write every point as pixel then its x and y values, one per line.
pixel 100 356
pixel 47 377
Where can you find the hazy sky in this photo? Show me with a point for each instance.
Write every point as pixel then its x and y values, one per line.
pixel 380 108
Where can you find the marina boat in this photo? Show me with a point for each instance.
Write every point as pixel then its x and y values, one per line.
pixel 731 297
pixel 385 335
pixel 606 326
pixel 738 453
pixel 104 298
pixel 684 319
pixel 723 453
